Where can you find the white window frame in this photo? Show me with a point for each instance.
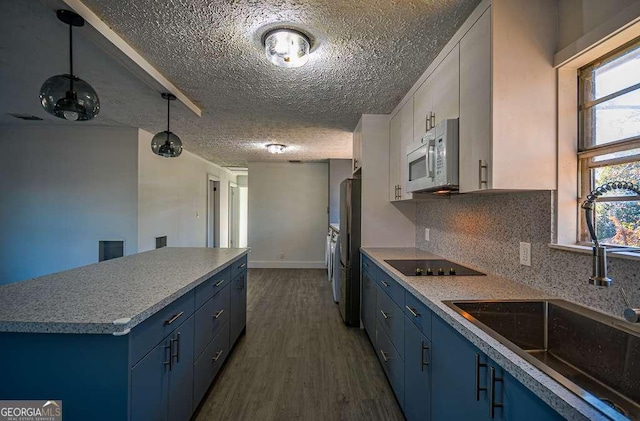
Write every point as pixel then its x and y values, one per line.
pixel 587 150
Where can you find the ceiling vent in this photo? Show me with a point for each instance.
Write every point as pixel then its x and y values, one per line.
pixel 27 117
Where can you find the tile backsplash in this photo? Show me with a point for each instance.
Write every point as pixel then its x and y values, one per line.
pixel 485 231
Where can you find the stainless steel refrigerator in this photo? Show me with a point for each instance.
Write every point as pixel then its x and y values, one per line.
pixel 350 207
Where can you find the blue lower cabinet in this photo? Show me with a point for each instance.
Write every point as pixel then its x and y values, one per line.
pixel 468 385
pixel 238 319
pixel 520 404
pixel 368 308
pixel 392 363
pixel 208 364
pixel 417 373
pixel 161 382
pixel 180 398
pixel 459 376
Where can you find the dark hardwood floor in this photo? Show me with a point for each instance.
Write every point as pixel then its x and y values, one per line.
pixel 298 361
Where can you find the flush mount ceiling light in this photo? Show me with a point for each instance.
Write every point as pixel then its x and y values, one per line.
pixel 166 143
pixel 287 47
pixel 67 96
pixel 275 148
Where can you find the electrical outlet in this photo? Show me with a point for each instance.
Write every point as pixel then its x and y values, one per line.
pixel 281 256
pixel 525 254
pixel 426 234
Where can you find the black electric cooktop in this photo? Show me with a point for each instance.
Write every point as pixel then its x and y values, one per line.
pixel 432 267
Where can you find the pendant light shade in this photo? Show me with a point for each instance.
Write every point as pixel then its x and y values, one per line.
pixel 165 143
pixel 67 96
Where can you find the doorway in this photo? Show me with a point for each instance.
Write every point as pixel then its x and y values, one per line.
pixel 213 211
pixel 234 215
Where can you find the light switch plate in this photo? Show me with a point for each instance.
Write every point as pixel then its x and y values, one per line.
pixel 525 254
pixel 426 234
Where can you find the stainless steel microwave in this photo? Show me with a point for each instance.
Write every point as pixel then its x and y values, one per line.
pixel 432 163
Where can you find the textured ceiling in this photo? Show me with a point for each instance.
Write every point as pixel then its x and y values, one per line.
pixel 365 57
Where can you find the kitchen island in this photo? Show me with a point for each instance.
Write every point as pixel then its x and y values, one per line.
pixel 421 295
pixel 135 338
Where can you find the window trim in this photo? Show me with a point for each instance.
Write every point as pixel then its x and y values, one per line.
pixel 587 150
pixel 587 49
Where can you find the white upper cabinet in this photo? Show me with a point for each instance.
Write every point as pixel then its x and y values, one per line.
pixel 438 98
pixel 400 137
pixel 446 87
pixel 356 161
pixel 508 103
pixel 475 105
pixel 423 109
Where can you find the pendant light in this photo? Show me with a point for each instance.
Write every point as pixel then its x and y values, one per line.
pixel 165 143
pixel 67 96
pixel 286 47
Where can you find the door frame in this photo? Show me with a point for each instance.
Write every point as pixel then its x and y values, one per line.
pixel 213 208
pixel 234 215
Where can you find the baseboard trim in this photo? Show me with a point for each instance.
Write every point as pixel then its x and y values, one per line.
pixel 286 265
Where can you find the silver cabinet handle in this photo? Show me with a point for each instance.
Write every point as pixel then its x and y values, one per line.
pixel 492 394
pixel 242 265
pixel 217 284
pixel 385 315
pixel 479 365
pixel 218 314
pixel 413 311
pixel 384 356
pixel 385 284
pixel 174 318
pixel 423 363
pixel 170 348
pixel 217 357
pixel 480 168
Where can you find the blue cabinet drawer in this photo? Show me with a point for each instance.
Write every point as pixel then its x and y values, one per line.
pixel 208 364
pixel 392 363
pixel 418 313
pixel 391 287
pixel 212 286
pixel 238 266
pixel 391 319
pixel 149 333
pixel 211 317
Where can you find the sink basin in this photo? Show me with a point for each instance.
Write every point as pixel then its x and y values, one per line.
pixel 593 355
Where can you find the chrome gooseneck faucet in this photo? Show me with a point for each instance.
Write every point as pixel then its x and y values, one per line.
pixel 599 276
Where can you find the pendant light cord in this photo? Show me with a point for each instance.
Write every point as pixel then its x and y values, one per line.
pixel 71 56
pixel 168 108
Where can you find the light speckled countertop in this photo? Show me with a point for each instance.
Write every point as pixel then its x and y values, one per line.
pixel 88 299
pixel 432 291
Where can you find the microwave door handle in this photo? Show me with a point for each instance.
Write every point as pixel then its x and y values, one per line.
pixel 431 157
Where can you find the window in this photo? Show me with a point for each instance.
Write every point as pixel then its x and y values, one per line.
pixel 610 143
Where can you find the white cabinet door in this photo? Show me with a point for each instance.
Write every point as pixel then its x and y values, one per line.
pixel 475 106
pixel 406 136
pixel 446 87
pixel 357 147
pixel 422 108
pixel 395 157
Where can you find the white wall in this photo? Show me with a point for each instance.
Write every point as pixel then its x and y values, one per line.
pixel 287 214
pixel 578 17
pixel 339 169
pixel 172 198
pixel 63 189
